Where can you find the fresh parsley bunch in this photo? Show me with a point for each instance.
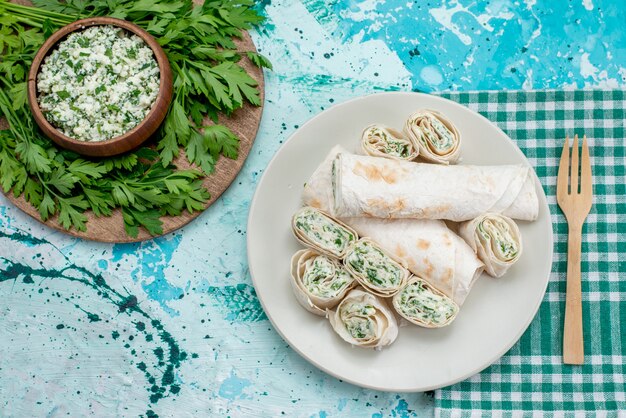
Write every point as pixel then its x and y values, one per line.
pixel 208 81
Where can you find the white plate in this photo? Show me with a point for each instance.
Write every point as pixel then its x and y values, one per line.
pixel 496 312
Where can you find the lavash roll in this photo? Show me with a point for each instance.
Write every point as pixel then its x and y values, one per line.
pixel 382 141
pixel 318 281
pixel 318 190
pixel 496 239
pixel 364 320
pixel 375 269
pixel 322 232
pixel 384 188
pixel 434 136
pixel 429 248
pixel 422 304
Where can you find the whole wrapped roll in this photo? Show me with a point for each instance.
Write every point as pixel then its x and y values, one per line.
pixel 364 320
pixel 434 136
pixel 318 190
pixel 382 141
pixel 384 188
pixel 429 248
pixel 375 269
pixel 322 232
pixel 319 282
pixel 422 304
pixel 496 239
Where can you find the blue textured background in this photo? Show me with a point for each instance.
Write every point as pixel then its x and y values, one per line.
pixel 173 325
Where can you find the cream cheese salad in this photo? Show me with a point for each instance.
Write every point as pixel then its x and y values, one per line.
pixel 375 269
pixel 319 231
pixel 421 304
pixel 98 84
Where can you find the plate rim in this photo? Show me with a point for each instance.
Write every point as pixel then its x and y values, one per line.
pixel 543 201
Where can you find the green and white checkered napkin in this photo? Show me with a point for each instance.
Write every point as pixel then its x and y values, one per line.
pixel 531 379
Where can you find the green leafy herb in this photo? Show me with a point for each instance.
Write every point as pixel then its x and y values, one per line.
pixel 208 81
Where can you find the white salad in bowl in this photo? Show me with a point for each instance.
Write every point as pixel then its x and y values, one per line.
pixel 98 83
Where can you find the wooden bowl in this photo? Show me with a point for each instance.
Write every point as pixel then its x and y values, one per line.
pixel 130 139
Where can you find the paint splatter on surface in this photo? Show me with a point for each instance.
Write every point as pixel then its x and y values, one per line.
pixel 173 325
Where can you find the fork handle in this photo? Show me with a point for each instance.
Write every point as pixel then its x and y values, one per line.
pixel 573 348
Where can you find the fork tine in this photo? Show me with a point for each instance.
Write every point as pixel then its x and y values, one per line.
pixel 574 168
pixel 561 180
pixel 585 169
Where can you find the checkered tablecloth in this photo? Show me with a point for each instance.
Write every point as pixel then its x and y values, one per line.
pixel 531 380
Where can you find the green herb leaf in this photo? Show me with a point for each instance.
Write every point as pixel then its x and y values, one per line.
pixel 259 60
pixel 19 93
pixel 149 219
pixel 46 207
pixel 220 139
pixel 34 156
pixel 198 153
pixel 208 81
pixel 62 181
pixel 86 170
pixel 71 212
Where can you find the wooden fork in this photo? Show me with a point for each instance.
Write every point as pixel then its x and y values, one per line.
pixel 575 205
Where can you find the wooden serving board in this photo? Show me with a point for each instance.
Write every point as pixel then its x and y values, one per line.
pixel 244 123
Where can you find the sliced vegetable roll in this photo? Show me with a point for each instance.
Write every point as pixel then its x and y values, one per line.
pixel 318 281
pixel 431 251
pixel 364 320
pixel 320 231
pixel 381 141
pixel 375 269
pixel 496 240
pixel 435 137
pixel 421 304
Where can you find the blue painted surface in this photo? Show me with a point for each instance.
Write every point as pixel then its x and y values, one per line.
pixel 232 388
pixel 196 281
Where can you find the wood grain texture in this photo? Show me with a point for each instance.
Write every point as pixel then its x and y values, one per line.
pixel 244 123
pixel 573 343
pixel 576 206
pixel 131 139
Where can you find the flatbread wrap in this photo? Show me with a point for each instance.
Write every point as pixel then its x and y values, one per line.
pixel 434 136
pixel 384 188
pixel 382 141
pixel 429 248
pixel 318 190
pixel 318 281
pixel 375 269
pixel 321 232
pixel 421 304
pixel 364 320
pixel 496 239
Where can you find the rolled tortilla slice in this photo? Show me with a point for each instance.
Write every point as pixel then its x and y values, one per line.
pixel 319 282
pixel 364 320
pixel 375 269
pixel 496 239
pixel 382 141
pixel 436 138
pixel 384 188
pixel 422 304
pixel 430 249
pixel 322 232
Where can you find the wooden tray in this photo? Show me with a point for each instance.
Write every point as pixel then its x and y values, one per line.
pixel 244 123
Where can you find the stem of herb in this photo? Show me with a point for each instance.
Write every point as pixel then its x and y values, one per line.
pixel 37 13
